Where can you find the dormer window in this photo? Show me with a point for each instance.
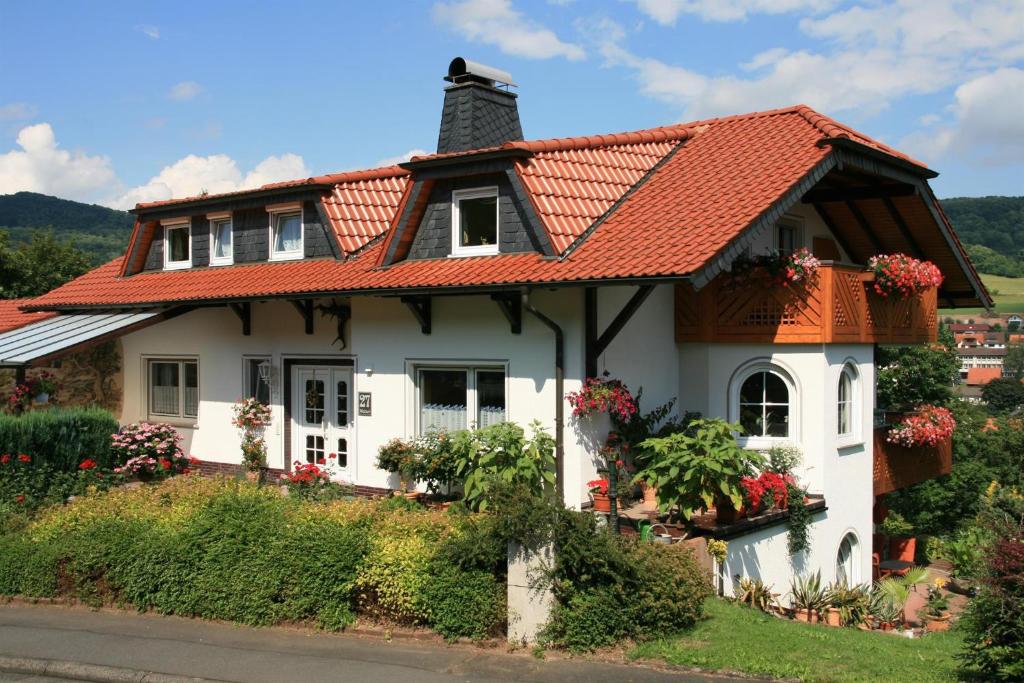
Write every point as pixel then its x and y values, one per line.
pixel 221 252
pixel 788 237
pixel 285 231
pixel 475 222
pixel 177 244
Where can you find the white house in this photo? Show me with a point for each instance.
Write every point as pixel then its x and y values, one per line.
pixel 484 282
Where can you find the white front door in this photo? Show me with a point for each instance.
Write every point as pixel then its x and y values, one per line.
pixel 322 418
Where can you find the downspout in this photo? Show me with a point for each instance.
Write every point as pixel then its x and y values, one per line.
pixel 559 392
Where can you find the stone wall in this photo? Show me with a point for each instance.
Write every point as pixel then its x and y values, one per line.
pixel 90 377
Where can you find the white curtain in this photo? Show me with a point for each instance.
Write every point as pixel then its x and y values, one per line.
pixel 165 400
pixel 491 415
pixel 289 233
pixel 448 418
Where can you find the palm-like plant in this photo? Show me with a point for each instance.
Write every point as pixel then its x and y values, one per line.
pixel 755 593
pixel 889 596
pixel 807 593
pixel 853 602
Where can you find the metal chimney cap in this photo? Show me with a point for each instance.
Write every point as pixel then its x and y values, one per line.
pixel 461 70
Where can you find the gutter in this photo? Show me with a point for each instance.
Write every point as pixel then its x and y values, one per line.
pixel 559 393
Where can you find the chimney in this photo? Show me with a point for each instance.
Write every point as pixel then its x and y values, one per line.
pixel 479 110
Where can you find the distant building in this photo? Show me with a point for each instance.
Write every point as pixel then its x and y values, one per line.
pixel 981 357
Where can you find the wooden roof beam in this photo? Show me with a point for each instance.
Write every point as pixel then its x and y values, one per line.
pixel 821 195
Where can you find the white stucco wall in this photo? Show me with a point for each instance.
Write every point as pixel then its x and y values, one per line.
pixel 812 226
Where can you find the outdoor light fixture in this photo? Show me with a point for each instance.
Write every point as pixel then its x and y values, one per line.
pixel 264 370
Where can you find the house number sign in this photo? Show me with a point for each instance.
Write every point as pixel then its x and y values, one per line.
pixel 365 404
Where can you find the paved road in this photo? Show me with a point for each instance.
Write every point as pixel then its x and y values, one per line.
pixel 223 652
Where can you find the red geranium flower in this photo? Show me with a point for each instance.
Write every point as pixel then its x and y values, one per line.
pixel 24 458
pixel 87 464
pixel 165 463
pixel 4 459
pixel 19 499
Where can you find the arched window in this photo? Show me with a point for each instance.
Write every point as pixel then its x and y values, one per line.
pixel 764 404
pixel 847 560
pixel 844 401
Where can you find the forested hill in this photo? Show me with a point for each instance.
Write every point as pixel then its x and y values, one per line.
pixel 993 229
pixel 100 232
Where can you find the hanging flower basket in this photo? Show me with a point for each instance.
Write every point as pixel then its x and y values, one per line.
pixel 929 426
pixel 903 276
pixel 603 396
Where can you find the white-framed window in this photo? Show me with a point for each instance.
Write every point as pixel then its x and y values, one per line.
pixel 286 228
pixel 221 242
pixel 257 373
pixel 788 237
pixel 172 388
pixel 453 397
pixel 763 402
pixel 846 404
pixel 475 222
pixel 848 560
pixel 177 244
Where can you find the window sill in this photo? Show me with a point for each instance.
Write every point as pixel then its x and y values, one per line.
pixel 850 442
pixel 763 443
pixel 180 265
pixel 187 423
pixel 221 263
pixel 286 257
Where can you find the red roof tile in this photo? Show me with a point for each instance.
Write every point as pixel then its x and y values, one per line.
pixel 982 376
pixel 725 174
pixel 12 317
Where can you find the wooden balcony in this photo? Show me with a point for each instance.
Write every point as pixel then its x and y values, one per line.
pixel 839 306
pixel 897 467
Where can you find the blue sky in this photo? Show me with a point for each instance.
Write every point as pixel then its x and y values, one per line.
pixel 119 102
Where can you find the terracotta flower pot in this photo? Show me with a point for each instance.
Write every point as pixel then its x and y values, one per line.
pixel 726 513
pixel 886 626
pixel 650 494
pixel 808 616
pixel 833 617
pixel 938 624
pixel 601 502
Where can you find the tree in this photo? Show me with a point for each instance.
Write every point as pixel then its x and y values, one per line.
pixel 1003 395
pixel 911 375
pixel 37 266
pixel 1013 362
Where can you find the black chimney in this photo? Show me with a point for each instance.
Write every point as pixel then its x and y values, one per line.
pixel 479 110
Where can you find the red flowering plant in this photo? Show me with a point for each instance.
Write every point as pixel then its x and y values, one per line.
pixel 252 417
pixel 42 384
pixel 599 486
pixel 312 481
pixel 902 275
pixel 765 491
pixel 148 451
pixel 603 396
pixel 926 427
pixel 783 270
pixel 32 483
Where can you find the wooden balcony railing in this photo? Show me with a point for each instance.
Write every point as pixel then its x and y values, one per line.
pixel 897 467
pixel 839 306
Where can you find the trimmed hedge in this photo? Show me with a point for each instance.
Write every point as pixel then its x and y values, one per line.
pixel 60 437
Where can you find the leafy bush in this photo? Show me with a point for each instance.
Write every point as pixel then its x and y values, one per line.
pixel 26 485
pixel 149 451
pixel 502 453
pixel 61 437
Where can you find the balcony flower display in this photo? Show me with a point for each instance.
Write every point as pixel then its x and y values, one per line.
pixel 766 491
pixel 902 275
pixel 793 270
pixel 603 396
pixel 927 427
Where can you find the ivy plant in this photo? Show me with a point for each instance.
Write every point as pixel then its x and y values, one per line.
pixel 693 469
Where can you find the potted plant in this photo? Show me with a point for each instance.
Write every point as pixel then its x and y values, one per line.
pixel 252 418
pixel 400 457
pixel 808 597
pixel 599 494
pixel 790 270
pixel 902 275
pixel 847 605
pixel 699 468
pixel 927 426
pixel 43 386
pixel 902 546
pixel 935 612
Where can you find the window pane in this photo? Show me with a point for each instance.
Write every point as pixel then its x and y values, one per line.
pixel 478 221
pixel 177 244
pixel 750 420
pixel 775 390
pixel 254 386
pixel 776 421
pixel 752 390
pixel 342 403
pixel 315 449
pixel 314 401
pixel 786 239
pixel 443 399
pixel 191 388
pixel 845 404
pixel 287 232
pixel 222 239
pixel 163 388
pixel 490 397
pixel 342 453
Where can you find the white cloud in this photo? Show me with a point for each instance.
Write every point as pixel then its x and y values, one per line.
pixel 41 166
pixel 667 12
pixel 186 90
pixel 399 158
pixel 987 127
pixel 149 31
pixel 16 111
pixel 495 22
pixel 216 173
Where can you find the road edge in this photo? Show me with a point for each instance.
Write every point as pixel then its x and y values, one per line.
pixel 92 673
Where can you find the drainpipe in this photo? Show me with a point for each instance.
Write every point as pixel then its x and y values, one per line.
pixel 559 392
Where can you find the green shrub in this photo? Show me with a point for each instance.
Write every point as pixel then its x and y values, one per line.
pixel 464 604
pixel 60 437
pixel 589 619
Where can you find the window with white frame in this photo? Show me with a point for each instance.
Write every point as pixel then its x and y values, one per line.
pixel 845 401
pixel 177 244
pixel 450 398
pixel 788 237
pixel 173 388
pixel 764 404
pixel 285 232
pixel 221 253
pixel 847 560
pixel 475 222
pixel 257 370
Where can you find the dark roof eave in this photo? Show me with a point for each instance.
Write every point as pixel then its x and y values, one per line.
pixel 472 157
pixel 216 200
pixel 454 290
pixel 879 155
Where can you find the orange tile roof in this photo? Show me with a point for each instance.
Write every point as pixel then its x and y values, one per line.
pixel 980 376
pixel 12 317
pixel 722 176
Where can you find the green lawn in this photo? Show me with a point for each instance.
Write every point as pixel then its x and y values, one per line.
pixel 737 638
pixel 1009 296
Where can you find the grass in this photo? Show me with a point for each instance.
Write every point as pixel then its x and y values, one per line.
pixel 1008 293
pixel 737 638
